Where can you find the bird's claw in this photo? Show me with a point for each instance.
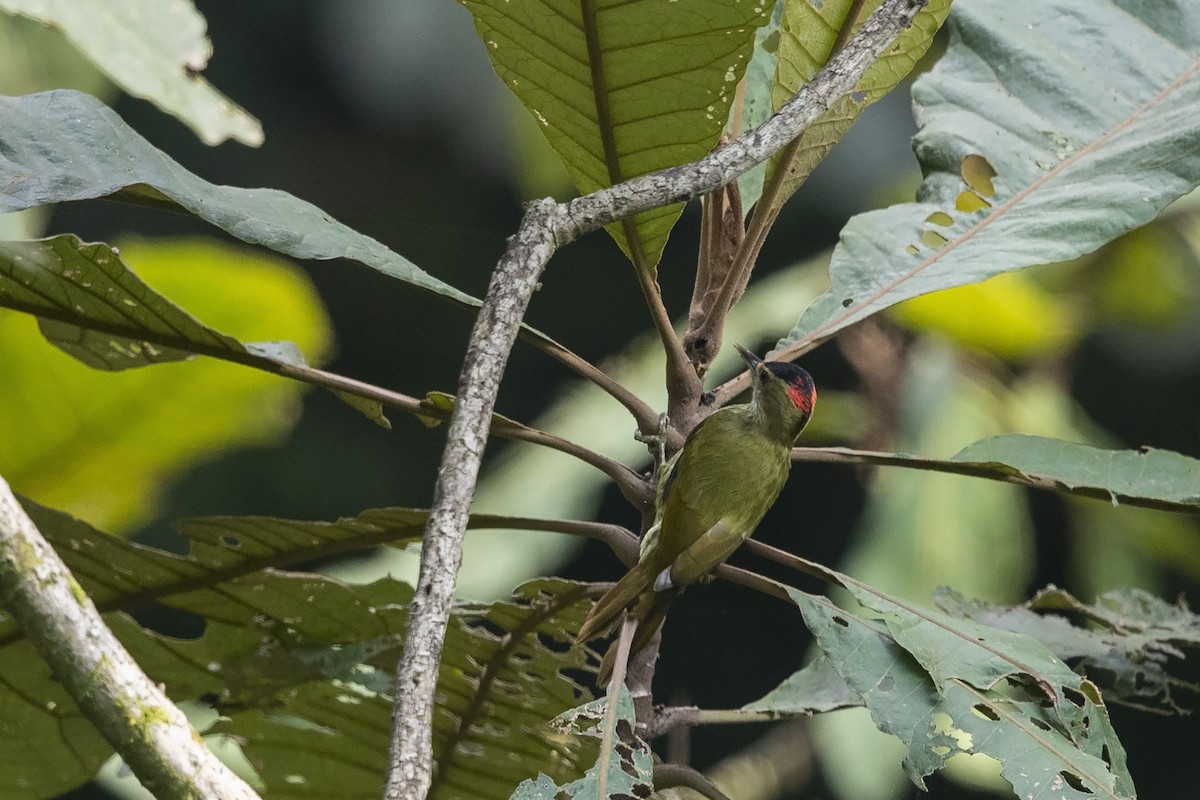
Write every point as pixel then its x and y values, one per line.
pixel 657 441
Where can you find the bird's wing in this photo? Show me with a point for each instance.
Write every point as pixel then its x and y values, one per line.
pixel 698 559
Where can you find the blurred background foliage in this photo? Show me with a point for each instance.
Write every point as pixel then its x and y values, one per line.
pixel 388 115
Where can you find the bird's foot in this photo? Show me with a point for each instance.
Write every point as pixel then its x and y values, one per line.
pixel 657 441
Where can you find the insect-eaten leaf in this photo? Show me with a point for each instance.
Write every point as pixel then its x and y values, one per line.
pixel 1030 156
pixel 1124 642
pixel 946 688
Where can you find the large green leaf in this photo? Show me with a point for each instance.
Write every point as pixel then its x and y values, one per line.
pixel 153 50
pixel 623 88
pixel 95 308
pixel 808 33
pixel 62 145
pixel 506 673
pixel 93 443
pixel 1068 752
pixel 298 661
pixel 1048 129
pixel 1148 473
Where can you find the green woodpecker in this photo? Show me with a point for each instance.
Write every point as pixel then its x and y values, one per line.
pixel 712 495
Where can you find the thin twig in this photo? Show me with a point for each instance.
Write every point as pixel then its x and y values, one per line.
pixel 670 776
pixel 128 709
pixel 548 225
pixel 643 413
pixel 616 685
pixel 669 718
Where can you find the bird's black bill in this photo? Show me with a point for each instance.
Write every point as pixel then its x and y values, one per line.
pixel 751 359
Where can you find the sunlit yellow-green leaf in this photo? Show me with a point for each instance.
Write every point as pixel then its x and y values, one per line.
pixel 1009 316
pixel 1147 277
pixel 102 444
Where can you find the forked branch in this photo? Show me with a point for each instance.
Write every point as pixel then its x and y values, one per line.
pixel 546 227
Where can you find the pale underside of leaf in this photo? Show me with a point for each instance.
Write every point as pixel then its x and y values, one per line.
pixel 1127 640
pixel 1043 137
pixel 153 50
pixel 622 89
pixel 61 146
pixel 1149 473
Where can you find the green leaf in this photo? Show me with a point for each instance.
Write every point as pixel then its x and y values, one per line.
pixel 954 649
pixel 807 36
pixel 505 675
pixel 62 145
pixel 756 99
pixel 628 770
pixel 622 89
pixel 812 690
pixel 1165 477
pixel 298 661
pixel 93 307
pixel 1070 753
pixel 153 50
pixel 1132 637
pixel 90 442
pixel 1047 130
pixel 39 718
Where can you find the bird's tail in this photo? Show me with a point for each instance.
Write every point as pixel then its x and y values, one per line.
pixel 650 610
pixel 632 592
pixel 608 608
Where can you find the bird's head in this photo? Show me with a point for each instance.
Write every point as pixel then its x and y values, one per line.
pixel 784 394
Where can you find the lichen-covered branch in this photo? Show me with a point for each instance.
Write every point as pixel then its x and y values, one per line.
pixel 129 710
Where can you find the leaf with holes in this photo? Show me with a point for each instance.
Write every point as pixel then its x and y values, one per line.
pixel 622 89
pixel 623 771
pixel 506 673
pixel 1048 129
pixel 1130 640
pixel 1071 754
pixel 955 649
pixel 283 651
pixel 221 577
pixel 63 145
pixel 152 50
pixel 808 33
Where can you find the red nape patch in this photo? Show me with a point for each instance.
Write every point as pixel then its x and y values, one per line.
pixel 803 400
